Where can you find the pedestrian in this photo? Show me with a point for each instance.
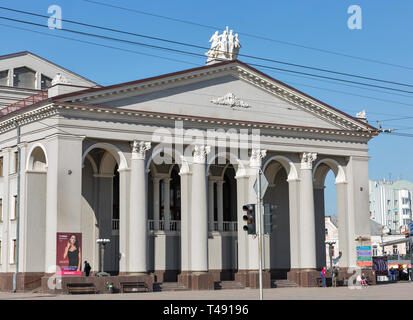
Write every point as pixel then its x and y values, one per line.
pixel 363 280
pixel 392 274
pixel 335 276
pixel 323 277
pixel 87 268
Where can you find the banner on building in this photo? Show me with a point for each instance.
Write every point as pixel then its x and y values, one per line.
pixel 380 265
pixel 364 258
pixel 69 253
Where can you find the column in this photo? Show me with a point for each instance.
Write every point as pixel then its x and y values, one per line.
pixel 220 202
pixel 156 202
pixel 138 215
pixel 63 190
pixel 307 214
pixel 167 203
pixel 211 204
pixel 199 212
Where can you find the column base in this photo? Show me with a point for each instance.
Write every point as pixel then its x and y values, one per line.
pixel 196 280
pixel 304 277
pixel 251 278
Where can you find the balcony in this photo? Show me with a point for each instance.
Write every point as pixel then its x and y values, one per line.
pixel 175 225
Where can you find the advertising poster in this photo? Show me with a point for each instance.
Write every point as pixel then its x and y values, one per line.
pixel 364 258
pixel 69 253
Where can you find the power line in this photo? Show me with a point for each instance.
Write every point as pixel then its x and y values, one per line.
pixel 200 55
pixel 250 35
pixel 206 48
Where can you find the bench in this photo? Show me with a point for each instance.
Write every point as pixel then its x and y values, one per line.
pixel 79 288
pixel 133 287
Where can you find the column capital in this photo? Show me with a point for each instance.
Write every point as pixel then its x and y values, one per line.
pixel 307 159
pixel 256 157
pixel 200 153
pixel 139 149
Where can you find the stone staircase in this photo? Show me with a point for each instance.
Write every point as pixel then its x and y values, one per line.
pixel 225 285
pixel 283 283
pixel 169 286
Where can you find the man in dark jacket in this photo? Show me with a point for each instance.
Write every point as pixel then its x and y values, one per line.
pixel 87 268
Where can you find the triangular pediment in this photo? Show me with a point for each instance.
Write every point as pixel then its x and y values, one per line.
pixel 229 90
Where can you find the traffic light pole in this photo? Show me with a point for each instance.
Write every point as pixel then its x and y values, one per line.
pixel 260 229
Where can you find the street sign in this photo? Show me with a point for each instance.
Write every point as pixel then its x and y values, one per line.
pixel 264 185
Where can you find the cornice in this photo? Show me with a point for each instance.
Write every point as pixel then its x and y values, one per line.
pixel 52 109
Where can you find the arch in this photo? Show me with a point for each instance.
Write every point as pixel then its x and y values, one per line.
pixel 173 153
pixel 35 158
pixel 334 165
pixel 230 157
pixel 112 149
pixel 286 163
pixel 93 163
pixel 107 164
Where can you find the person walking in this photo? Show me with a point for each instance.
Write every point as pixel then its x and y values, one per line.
pixel 87 268
pixel 335 276
pixel 323 277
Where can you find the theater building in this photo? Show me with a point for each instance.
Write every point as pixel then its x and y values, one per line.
pixel 136 163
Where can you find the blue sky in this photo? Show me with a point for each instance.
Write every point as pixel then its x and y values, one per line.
pixel 386 36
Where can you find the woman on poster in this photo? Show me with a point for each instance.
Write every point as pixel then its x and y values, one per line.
pixel 73 252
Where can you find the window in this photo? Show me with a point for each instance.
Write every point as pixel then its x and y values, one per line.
pixel 16 161
pixel 388 203
pixel 4 75
pixel 375 251
pixel 406 211
pixel 14 208
pixel 45 82
pixel 13 252
pixel 395 251
pixel 326 232
pixel 24 78
pixel 405 200
pixel 1 166
pixel 406 221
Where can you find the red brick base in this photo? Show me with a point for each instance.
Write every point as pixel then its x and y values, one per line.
pixel 196 281
pixel 250 278
pixel 304 277
pixel 26 281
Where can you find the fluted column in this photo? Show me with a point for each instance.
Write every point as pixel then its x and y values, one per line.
pixel 220 202
pixel 199 212
pixel 307 214
pixel 156 202
pixel 211 204
pixel 138 216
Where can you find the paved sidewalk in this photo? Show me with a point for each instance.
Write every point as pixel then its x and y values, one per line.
pixel 394 291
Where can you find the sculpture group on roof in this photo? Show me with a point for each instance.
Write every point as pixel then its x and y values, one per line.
pixel 224 46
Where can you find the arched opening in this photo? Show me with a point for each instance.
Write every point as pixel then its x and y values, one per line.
pixel 277 194
pixel 164 215
pixel 35 217
pixel 329 177
pixel 101 208
pixel 222 212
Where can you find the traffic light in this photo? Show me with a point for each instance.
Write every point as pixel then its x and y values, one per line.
pixel 249 217
pixel 269 215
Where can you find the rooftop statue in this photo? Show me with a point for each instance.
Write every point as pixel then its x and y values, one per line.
pixel 223 47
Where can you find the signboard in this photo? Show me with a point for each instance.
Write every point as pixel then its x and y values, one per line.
pixel 264 185
pixel 69 253
pixel 364 258
pixel 380 265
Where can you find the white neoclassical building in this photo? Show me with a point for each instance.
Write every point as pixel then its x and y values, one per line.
pixel 162 167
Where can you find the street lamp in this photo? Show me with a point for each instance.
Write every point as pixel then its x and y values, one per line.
pixel 102 243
